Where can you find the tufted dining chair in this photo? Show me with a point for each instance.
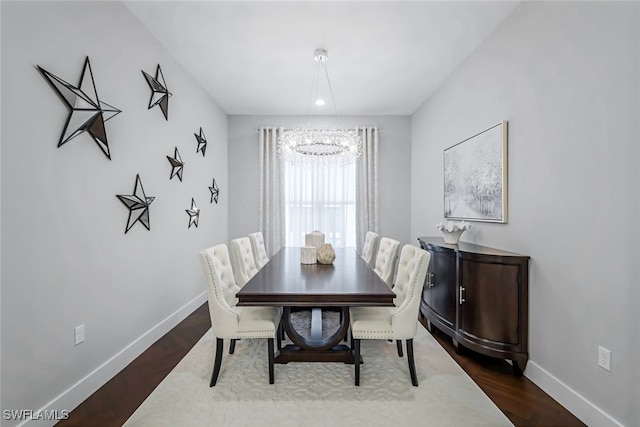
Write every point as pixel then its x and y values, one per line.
pixel 394 323
pixel 229 321
pixel 386 259
pixel 258 249
pixel 369 247
pixel 242 260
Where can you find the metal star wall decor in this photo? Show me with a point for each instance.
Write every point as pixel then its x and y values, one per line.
pixel 138 204
pixel 176 165
pixel 215 191
pixel 159 93
pixel 86 112
pixel 194 214
pixel 202 142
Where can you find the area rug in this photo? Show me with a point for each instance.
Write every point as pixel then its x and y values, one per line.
pixel 318 394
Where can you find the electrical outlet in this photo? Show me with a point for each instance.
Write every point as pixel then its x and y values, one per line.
pixel 79 334
pixel 604 358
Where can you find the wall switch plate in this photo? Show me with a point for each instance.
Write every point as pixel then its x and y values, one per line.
pixel 604 358
pixel 79 334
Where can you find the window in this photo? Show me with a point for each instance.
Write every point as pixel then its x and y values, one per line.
pixel 320 198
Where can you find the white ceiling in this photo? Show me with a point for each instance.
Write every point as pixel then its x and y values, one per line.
pixel 256 57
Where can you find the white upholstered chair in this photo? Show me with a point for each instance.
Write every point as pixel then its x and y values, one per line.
pixel 258 248
pixel 243 249
pixel 229 321
pixel 394 323
pixel 242 260
pixel 369 247
pixel 386 259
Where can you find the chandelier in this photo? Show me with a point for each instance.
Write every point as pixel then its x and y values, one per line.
pixel 319 145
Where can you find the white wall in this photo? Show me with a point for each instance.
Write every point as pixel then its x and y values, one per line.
pixel 66 260
pixel 566 77
pixel 394 172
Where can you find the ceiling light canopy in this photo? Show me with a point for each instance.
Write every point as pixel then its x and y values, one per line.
pixel 315 144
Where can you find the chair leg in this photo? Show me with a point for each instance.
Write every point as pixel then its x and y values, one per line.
pixel 271 361
pixel 232 347
pixel 412 364
pixel 399 345
pixel 356 361
pixel 217 362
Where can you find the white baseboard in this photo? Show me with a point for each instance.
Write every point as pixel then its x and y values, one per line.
pixel 578 405
pixel 77 393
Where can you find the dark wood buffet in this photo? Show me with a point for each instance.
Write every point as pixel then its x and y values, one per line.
pixel 479 296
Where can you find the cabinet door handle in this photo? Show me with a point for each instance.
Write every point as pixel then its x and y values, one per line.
pixel 430 281
pixel 461 294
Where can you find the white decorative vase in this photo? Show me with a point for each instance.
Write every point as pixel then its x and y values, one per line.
pixel 326 254
pixel 453 230
pixel 315 239
pixel 308 255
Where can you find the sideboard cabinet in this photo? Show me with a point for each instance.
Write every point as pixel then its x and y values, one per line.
pixel 479 296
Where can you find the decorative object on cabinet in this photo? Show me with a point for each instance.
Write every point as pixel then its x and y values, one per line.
pixel 138 204
pixel 194 214
pixel 326 254
pixel 159 93
pixel 202 142
pixel 86 112
pixel 177 165
pixel 215 192
pixel 453 230
pixel 479 296
pixel 475 177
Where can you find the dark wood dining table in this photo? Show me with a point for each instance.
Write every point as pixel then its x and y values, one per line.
pixel 285 282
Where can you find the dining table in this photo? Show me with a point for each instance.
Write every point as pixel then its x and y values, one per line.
pixel 285 282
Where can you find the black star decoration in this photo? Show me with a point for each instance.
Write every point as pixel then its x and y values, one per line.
pixel 176 165
pixel 159 92
pixel 215 191
pixel 138 204
pixel 86 112
pixel 202 142
pixel 194 214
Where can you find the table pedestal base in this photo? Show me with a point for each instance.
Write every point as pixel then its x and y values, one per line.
pixel 293 353
pixel 315 348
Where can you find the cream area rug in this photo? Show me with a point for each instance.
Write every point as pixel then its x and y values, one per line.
pixel 318 394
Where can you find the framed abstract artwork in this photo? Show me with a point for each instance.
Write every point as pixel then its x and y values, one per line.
pixel 475 177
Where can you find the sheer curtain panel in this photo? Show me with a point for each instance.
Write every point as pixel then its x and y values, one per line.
pixel 320 197
pixel 272 216
pixel 367 185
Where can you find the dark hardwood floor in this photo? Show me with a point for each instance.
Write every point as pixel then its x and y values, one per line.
pixel 521 401
pixel 115 401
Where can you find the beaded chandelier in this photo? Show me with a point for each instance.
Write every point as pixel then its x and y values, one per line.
pixel 308 144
